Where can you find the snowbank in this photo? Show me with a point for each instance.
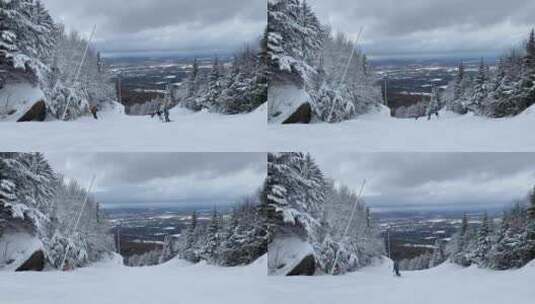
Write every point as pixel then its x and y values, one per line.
pixel 16 248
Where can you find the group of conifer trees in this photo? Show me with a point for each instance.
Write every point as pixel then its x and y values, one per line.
pixel 303 203
pixel 37 201
pixel 331 69
pixel 506 91
pixel 36 50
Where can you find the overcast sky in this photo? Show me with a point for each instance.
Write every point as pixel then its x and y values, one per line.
pixel 156 178
pixel 393 27
pixel 428 179
pixel 164 25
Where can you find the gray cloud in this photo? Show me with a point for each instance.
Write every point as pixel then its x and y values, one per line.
pixel 434 179
pixel 431 26
pixel 164 25
pixel 165 177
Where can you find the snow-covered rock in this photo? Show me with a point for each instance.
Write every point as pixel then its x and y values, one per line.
pixel 16 99
pixel 16 248
pixel 286 254
pixel 286 101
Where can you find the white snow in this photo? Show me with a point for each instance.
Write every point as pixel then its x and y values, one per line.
pixel 180 282
pixel 446 284
pixel 17 99
pixel 285 253
pixel 284 100
pixel 379 133
pixel 175 282
pixel 114 132
pixel 16 248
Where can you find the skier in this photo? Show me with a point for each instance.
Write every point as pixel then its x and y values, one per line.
pixel 396 269
pixel 94 111
pixel 166 114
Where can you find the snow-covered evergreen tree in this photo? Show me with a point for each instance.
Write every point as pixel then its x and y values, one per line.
pixel 508 91
pixel 294 40
pixel 35 200
pixel 306 206
pixel 26 40
pixel 483 243
pixel 241 88
pixel 238 239
pixel 334 74
pixel 510 245
pixel 34 49
pixel 481 89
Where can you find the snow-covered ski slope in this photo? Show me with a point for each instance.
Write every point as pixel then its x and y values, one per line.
pixel 378 132
pixel 175 282
pixel 117 132
pixel 446 284
pixel 179 282
pixel 202 131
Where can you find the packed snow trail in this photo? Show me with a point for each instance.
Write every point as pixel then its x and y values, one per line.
pixel 446 284
pixel 117 132
pixel 379 132
pixel 180 282
pixel 175 282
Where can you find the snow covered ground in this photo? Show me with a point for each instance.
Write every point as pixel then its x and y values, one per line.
pixel 179 282
pixel 116 132
pixel 380 133
pixel 446 284
pixel 173 283
pixel 200 132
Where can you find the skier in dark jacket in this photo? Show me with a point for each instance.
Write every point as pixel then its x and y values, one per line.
pixel 396 269
pixel 166 115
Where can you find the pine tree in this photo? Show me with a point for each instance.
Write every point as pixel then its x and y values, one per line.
pixel 480 89
pixel 459 89
pixel 529 59
pixel 193 78
pixel 26 38
pixel 462 236
pixel 312 39
pixel 7 185
pixel 210 250
pixel 483 243
pixel 531 210
pixel 294 40
pixel 214 84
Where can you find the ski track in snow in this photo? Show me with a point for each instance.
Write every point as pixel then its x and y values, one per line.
pixel 179 282
pixel 116 132
pixel 380 133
